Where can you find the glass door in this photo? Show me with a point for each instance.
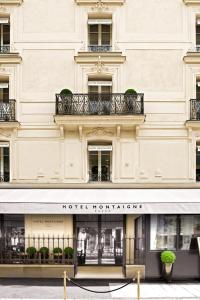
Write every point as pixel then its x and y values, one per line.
pixel 99 239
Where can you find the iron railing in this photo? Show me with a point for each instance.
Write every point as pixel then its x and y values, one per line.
pixel 18 249
pixel 4 177
pixel 100 104
pixel 195 109
pixel 99 176
pixel 7 111
pixel 4 49
pixel 96 48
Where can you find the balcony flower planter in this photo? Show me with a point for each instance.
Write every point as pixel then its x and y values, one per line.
pixel 167 258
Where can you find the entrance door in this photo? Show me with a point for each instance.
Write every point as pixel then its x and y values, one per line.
pixel 99 239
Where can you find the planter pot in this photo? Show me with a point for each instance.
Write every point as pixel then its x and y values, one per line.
pixel 167 269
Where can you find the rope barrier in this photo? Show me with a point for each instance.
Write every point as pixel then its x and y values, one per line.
pixel 99 292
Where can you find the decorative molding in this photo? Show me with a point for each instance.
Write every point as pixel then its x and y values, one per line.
pixel 5 133
pixel 100 3
pixel 100 58
pixel 99 131
pixel 192 58
pixel 10 58
pixel 11 2
pixel 191 2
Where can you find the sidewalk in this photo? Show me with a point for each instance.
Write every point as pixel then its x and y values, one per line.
pixel 54 290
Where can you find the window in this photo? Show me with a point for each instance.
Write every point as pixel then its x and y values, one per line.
pixel 100 96
pixel 99 35
pixel 4 34
pixel 174 232
pixel 163 232
pixel 4 162
pixel 189 228
pixel 100 162
pixel 4 90
pixel 198 162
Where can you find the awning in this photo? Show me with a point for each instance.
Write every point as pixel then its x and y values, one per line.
pixel 100 201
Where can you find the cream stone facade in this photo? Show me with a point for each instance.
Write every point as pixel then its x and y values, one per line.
pixel 150 53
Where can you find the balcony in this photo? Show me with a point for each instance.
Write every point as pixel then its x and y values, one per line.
pixel 99 109
pixel 193 55
pixel 103 176
pixel 191 2
pixel 7 114
pixel 194 121
pixel 4 177
pixel 96 48
pixel 11 2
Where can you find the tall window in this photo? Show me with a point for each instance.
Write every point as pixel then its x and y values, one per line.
pixel 100 158
pixel 198 162
pixel 4 34
pixel 100 96
pixel 4 90
pixel 4 162
pixel 100 34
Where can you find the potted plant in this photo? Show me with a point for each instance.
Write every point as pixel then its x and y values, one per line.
pixel 57 253
pixel 69 254
pixel 44 251
pixel 31 251
pixel 168 258
pixel 130 96
pixel 66 97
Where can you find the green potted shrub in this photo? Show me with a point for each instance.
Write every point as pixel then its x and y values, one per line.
pixel 130 96
pixel 44 251
pixel 69 254
pixel 31 251
pixel 57 253
pixel 66 97
pixel 167 258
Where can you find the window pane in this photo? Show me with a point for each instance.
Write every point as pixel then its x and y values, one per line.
pixel 93 34
pixel 163 232
pixel 105 40
pixel 190 228
pixel 6 34
pixel 106 28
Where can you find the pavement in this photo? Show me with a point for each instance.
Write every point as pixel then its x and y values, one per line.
pixel 39 289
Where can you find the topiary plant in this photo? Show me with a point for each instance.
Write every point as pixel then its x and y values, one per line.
pixel 44 251
pixel 168 257
pixel 31 251
pixel 65 92
pixel 69 252
pixel 57 250
pixel 130 92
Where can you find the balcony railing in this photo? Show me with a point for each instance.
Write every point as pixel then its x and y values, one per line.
pixel 4 49
pixel 100 104
pixel 99 177
pixel 4 177
pixel 7 111
pixel 18 249
pixel 96 48
pixel 195 110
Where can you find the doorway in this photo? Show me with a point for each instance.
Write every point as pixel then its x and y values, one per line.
pixel 99 239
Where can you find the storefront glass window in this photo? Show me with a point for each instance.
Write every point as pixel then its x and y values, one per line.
pixel 189 230
pixel 163 232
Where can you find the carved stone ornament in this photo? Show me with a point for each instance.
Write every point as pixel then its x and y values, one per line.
pixel 5 133
pixel 100 131
pixel 99 67
pixel 99 6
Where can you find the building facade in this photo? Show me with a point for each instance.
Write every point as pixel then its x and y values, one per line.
pixel 99 96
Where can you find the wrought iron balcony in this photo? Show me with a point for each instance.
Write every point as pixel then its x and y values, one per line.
pixel 100 104
pixel 96 48
pixel 7 111
pixel 4 177
pixel 195 110
pixel 99 176
pixel 4 49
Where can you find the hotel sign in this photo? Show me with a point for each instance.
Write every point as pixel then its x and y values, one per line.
pixel 102 208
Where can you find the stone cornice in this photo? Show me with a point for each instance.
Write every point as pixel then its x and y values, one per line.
pixel 9 125
pixel 192 58
pixel 104 58
pixel 11 2
pixel 89 2
pixel 191 2
pixel 10 58
pixel 102 121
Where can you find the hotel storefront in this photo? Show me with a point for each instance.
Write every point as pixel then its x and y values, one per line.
pixel 103 235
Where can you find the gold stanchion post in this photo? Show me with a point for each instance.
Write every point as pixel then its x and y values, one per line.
pixel 138 285
pixel 65 285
